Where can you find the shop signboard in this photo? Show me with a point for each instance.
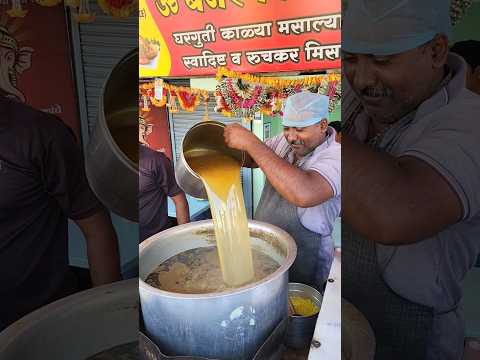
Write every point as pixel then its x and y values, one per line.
pixel 185 38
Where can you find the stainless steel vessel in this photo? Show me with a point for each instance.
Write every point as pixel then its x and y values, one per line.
pixel 76 327
pixel 227 325
pixel 300 328
pixel 112 162
pixel 206 135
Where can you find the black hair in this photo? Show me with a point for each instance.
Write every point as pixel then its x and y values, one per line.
pixel 469 50
pixel 337 125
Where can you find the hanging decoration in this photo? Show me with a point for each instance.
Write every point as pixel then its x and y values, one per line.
pixel 118 8
pixel 235 93
pixel 220 105
pixel 158 90
pixel 241 95
pixel 242 99
pixel 159 102
pixel 274 82
pixel 73 4
pixel 172 104
pixel 290 90
pixel 48 3
pixel 275 104
pixel 332 89
pixel 188 98
pixel 458 8
pixel 17 11
pixel 188 101
pixel 205 116
pixel 145 103
pixel 140 101
pixel 83 14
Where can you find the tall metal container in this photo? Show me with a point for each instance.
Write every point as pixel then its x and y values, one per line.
pixel 111 158
pixel 205 135
pixel 226 325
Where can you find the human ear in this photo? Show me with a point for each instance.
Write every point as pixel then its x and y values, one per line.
pixel 438 49
pixel 323 125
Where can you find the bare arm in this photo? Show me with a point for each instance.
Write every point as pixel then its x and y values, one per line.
pixel 299 187
pixel 102 248
pixel 181 208
pixel 391 200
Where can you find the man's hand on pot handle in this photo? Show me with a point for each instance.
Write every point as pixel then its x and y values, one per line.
pixel 237 137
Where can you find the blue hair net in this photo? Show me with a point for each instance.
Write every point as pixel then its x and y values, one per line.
pixel 305 109
pixel 386 27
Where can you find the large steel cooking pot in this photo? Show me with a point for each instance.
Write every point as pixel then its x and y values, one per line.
pixel 226 325
pixel 76 327
pixel 112 154
pixel 205 135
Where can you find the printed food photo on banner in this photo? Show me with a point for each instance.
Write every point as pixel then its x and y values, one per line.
pixel 240 179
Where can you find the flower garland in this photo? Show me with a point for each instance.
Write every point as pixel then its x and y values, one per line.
pixel 333 89
pixel 221 105
pixel 274 82
pixel 242 102
pixel 233 100
pixel 83 14
pixel 188 98
pixel 172 104
pixel 17 11
pixel 188 101
pixel 48 3
pixel 458 9
pixel 159 103
pixel 72 3
pixel 149 93
pixel 144 103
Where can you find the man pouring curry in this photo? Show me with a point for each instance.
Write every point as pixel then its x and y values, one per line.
pixel 303 181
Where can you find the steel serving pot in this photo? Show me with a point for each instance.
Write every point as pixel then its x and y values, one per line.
pixel 225 325
pixel 205 135
pixel 113 176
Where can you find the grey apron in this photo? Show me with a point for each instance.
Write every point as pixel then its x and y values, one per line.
pixel 314 253
pixel 402 328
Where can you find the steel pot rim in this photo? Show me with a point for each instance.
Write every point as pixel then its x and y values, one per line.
pixel 288 261
pixel 68 305
pixel 199 124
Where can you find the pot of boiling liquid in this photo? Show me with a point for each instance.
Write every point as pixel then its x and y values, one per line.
pixel 111 158
pixel 188 313
pixel 216 288
pixel 202 137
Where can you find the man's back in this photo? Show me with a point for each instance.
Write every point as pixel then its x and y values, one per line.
pixel 42 183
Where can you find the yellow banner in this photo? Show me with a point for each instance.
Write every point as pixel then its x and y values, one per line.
pixel 154 57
